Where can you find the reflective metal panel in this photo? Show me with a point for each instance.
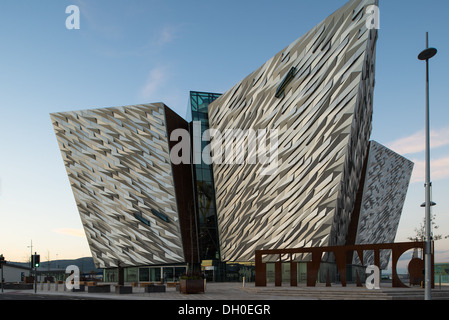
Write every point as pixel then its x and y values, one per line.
pixel 119 168
pixel 323 119
pixel 386 183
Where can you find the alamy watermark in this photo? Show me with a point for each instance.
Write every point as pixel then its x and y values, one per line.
pixel 373 18
pixel 373 280
pixel 232 146
pixel 73 20
pixel 73 280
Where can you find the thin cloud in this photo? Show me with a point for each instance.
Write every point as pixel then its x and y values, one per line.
pixel 439 170
pixel 72 232
pixel 157 77
pixel 166 35
pixel 416 142
pixel 441 255
pixel 94 18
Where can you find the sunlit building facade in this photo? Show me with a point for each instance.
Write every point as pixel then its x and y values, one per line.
pixel 155 218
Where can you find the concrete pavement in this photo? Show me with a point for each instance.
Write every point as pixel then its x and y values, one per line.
pixel 236 291
pixel 214 291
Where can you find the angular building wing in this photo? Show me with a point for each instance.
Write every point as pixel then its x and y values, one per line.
pixel 385 186
pixel 119 168
pixel 317 94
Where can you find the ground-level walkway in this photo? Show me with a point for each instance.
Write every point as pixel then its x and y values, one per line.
pixel 238 291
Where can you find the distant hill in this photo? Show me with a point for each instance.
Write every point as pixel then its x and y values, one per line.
pixel 86 265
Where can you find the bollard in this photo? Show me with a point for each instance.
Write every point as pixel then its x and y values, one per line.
pixel 243 282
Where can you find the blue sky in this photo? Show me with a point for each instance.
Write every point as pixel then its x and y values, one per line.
pixel 140 51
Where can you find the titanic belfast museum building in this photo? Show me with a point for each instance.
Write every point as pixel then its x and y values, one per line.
pixel 152 203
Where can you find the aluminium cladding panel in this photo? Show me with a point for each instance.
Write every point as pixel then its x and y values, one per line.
pixel 323 120
pixel 118 163
pixel 387 180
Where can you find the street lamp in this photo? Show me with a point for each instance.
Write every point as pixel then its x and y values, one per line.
pixel 432 204
pixel 426 55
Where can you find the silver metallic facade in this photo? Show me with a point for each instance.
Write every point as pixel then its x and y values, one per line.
pixel 316 94
pixel 385 189
pixel 323 117
pixel 119 168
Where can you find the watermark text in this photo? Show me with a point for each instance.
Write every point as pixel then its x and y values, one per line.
pixel 73 20
pixel 73 280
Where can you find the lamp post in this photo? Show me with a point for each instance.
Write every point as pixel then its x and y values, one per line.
pixel 2 262
pixel 426 55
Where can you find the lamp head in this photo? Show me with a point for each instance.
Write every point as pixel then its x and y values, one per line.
pixel 427 54
pixel 432 204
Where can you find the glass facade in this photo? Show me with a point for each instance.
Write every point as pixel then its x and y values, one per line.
pixel 150 274
pixel 157 274
pixel 110 275
pixel 441 273
pixel 205 209
pixel 301 273
pixel 203 178
pixel 146 274
pixel 130 274
pixel 235 272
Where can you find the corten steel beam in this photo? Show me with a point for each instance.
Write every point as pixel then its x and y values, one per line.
pixel 313 266
pixel 293 272
pixel 278 273
pixel 340 253
pixel 261 271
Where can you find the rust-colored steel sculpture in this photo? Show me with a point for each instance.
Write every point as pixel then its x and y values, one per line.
pixel 340 254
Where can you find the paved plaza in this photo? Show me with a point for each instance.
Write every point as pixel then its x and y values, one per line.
pixel 236 291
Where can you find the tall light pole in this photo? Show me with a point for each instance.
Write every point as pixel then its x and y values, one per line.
pixel 31 254
pixel 426 55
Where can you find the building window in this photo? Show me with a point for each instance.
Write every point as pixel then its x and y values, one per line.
pixel 288 78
